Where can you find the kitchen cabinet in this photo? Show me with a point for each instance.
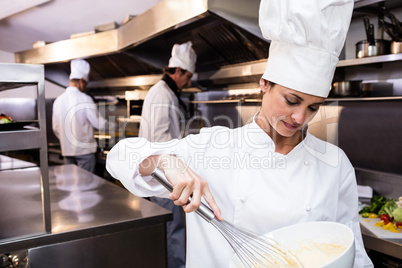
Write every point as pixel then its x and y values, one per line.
pixel 13 77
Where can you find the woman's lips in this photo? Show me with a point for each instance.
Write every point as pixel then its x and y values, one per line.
pixel 290 126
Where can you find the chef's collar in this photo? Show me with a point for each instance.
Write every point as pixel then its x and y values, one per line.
pixel 256 136
pixel 172 85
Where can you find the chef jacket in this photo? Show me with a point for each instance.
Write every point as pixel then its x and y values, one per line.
pixel 255 187
pixel 75 116
pixel 160 117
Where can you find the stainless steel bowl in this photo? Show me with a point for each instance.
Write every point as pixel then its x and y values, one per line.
pixel 347 88
pixel 380 47
pixel 396 47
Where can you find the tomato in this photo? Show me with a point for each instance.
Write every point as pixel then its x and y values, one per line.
pixel 386 218
pixel 398 224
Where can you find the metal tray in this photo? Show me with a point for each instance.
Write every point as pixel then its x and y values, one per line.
pixel 16 125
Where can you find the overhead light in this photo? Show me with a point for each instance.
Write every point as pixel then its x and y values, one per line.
pixel 11 7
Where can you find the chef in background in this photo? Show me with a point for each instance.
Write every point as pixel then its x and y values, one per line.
pixel 161 114
pixel 75 116
pixel 270 173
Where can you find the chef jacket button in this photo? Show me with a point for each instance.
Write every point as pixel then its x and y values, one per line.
pixel 243 199
pixel 308 208
pixel 306 162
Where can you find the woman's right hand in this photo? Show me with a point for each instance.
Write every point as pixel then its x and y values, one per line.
pixel 186 183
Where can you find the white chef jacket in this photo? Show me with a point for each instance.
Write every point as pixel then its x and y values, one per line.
pixel 255 187
pixel 160 117
pixel 75 116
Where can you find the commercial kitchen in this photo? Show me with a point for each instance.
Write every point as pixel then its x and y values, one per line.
pixel 56 215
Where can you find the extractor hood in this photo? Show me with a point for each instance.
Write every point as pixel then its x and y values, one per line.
pixel 224 33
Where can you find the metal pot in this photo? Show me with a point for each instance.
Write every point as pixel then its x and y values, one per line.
pixel 347 88
pixel 365 49
pixel 396 47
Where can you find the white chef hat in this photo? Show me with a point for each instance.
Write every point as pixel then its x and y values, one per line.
pixel 80 69
pixel 307 37
pixel 183 56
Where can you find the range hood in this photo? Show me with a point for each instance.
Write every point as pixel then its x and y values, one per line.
pixel 225 36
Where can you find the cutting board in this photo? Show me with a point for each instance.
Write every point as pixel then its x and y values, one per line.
pixel 379 231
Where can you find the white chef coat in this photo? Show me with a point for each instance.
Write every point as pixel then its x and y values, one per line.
pixel 160 117
pixel 75 116
pixel 255 187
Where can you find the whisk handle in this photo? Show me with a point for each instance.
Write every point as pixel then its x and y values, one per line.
pixel 205 212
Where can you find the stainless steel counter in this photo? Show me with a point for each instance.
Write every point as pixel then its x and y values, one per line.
pixel 12 163
pixel 390 247
pixel 83 205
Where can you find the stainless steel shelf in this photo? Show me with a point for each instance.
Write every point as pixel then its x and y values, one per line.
pixel 19 75
pixel 226 101
pixel 22 140
pixel 370 60
pixel 365 3
pixel 390 98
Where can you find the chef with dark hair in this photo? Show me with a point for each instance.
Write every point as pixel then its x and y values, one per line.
pixel 162 113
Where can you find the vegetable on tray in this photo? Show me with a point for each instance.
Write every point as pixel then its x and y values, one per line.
pixel 377 201
pixel 389 211
pixel 5 119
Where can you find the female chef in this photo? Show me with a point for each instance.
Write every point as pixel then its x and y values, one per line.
pixel 272 172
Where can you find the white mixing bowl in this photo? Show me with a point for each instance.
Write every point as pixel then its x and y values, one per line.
pixel 314 243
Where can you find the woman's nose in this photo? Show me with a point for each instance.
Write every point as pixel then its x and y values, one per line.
pixel 299 116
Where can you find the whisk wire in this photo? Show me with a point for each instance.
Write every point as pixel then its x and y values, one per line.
pixel 254 250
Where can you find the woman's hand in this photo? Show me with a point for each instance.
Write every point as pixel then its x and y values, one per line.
pixel 186 183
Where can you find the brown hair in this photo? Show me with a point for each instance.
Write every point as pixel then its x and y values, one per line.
pixel 271 84
pixel 170 70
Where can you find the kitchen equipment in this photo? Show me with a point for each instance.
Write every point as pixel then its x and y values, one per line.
pixel 366 21
pixel 369 29
pixel 394 27
pixel 396 47
pixel 377 89
pixel 381 47
pixel 390 29
pixel 347 88
pixel 252 250
pixel 317 244
pixel 372 48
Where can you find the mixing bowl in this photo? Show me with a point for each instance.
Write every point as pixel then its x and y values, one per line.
pixel 316 244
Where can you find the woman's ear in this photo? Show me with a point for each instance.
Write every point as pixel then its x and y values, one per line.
pixel 264 85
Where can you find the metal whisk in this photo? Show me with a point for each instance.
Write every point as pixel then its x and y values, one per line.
pixel 252 250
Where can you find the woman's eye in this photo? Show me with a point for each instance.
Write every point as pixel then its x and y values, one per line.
pixel 290 102
pixel 313 109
